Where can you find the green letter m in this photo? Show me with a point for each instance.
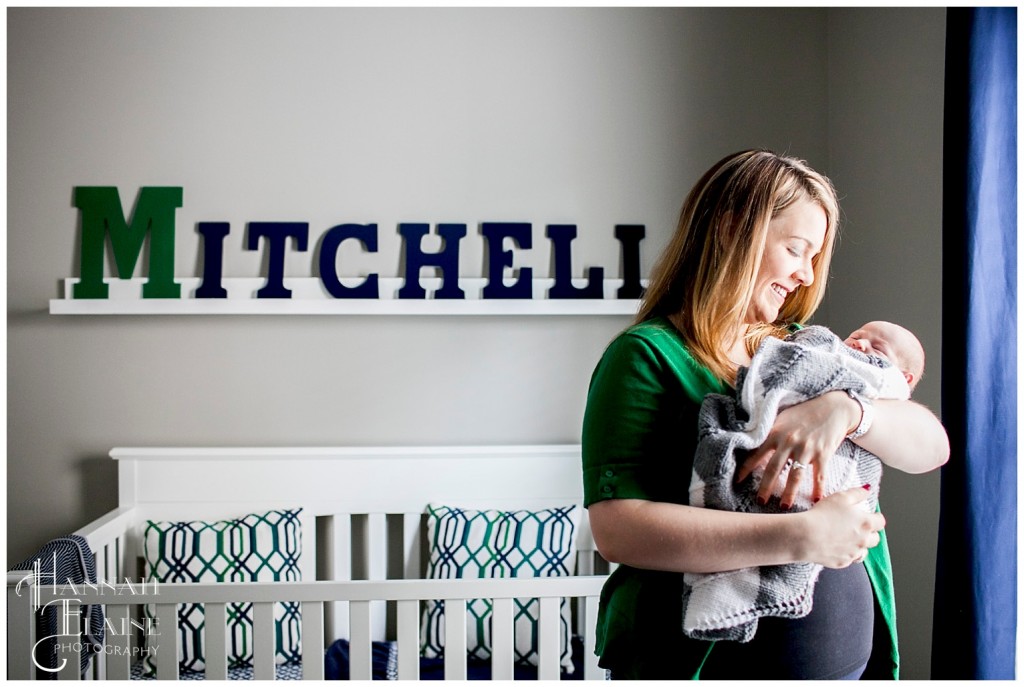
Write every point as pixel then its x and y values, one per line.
pixel 154 215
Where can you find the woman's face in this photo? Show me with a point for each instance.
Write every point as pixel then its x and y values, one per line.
pixel 795 236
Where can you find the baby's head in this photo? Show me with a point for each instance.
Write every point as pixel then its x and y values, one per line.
pixel 894 343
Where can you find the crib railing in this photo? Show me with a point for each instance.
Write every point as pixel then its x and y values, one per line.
pixel 118 601
pixel 352 546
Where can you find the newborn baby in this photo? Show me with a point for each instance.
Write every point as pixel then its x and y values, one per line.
pixel 879 360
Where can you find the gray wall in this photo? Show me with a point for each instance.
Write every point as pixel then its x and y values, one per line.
pixel 885 132
pixel 585 116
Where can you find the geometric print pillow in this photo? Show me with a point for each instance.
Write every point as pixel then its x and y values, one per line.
pixel 481 544
pixel 259 547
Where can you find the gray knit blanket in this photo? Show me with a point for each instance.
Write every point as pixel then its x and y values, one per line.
pixel 783 372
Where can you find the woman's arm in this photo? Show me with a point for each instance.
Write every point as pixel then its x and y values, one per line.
pixel 907 436
pixel 662 536
pixel 904 435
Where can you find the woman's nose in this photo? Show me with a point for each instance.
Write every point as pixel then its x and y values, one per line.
pixel 805 275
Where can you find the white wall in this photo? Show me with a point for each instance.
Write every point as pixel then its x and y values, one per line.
pixel 586 116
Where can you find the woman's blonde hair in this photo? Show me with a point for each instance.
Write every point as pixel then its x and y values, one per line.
pixel 704 279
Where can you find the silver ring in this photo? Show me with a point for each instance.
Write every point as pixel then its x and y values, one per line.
pixel 795 465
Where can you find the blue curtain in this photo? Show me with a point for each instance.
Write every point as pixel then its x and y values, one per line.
pixel 974 633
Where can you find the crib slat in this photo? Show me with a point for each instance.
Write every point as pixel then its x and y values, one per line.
pixel 408 636
pixel 216 632
pixel 102 562
pixel 69 647
pixel 118 658
pixel 339 542
pixel 97 669
pixel 263 640
pixel 312 640
pixel 591 671
pixel 167 654
pixel 502 640
pixel 118 567
pixel 309 556
pixel 454 639
pixel 547 639
pixel 377 565
pixel 360 642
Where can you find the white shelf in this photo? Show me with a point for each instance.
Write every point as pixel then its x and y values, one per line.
pixel 310 298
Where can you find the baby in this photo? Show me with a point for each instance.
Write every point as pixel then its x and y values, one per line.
pixel 882 342
pixel 878 360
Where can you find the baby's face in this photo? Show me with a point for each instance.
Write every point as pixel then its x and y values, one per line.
pixel 874 339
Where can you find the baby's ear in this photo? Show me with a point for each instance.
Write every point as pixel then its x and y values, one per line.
pixel 909 376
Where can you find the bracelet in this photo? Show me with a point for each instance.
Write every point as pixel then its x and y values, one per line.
pixel 867 414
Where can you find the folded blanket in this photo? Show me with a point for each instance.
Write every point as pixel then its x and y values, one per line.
pixel 783 372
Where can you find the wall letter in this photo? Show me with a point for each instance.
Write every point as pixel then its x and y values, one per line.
pixel 561 236
pixel 102 214
pixel 630 235
pixel 276 234
pixel 447 259
pixel 498 259
pixel 213 234
pixel 367 235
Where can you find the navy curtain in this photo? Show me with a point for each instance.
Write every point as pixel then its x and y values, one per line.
pixel 974 632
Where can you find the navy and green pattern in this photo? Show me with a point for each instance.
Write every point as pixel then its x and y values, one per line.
pixel 484 544
pixel 259 547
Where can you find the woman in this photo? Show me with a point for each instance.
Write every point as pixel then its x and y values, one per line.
pixel 749 259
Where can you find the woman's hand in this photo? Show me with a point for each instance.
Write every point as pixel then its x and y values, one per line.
pixel 806 434
pixel 840 529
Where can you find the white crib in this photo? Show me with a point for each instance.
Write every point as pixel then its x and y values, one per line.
pixel 362 560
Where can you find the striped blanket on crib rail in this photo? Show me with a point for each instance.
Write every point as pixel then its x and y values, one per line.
pixel 783 372
pixel 64 560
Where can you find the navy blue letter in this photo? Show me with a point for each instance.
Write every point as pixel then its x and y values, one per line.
pixel 447 259
pixel 629 235
pixel 561 236
pixel 276 234
pixel 498 259
pixel 367 235
pixel 213 259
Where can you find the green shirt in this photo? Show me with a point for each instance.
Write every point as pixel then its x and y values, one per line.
pixel 639 439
